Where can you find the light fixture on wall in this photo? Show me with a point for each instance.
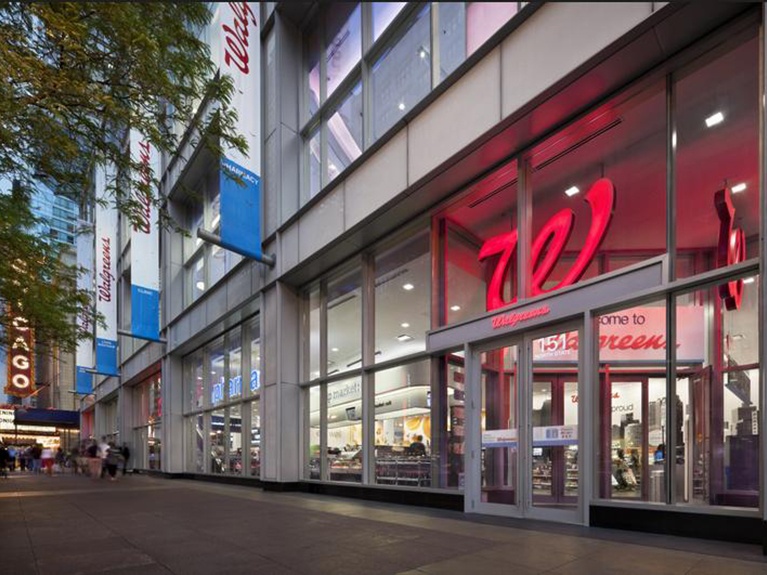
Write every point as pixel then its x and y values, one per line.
pixel 737 188
pixel 714 119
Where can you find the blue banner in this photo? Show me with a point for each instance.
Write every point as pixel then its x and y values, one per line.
pixel 145 312
pixel 240 209
pixel 106 357
pixel 84 381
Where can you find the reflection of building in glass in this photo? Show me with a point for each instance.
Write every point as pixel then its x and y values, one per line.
pixel 747 419
pixel 58 215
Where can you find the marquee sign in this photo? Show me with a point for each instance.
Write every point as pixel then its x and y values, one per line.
pixel 21 356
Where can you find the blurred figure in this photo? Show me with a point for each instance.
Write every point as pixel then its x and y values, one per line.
pixel 94 461
pixel 46 457
pixel 126 456
pixel 112 461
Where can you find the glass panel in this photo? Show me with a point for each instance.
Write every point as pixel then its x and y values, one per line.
pixel 343 39
pixel 485 214
pixel 632 405
pixel 448 421
pixel 345 133
pixel 235 440
pixel 345 430
pixel 383 14
pixel 716 457
pixel 499 425
pixel 255 358
pixel 198 443
pixel 402 76
pixel 218 441
pixel 313 151
pixel 403 425
pixel 196 275
pixel 312 69
pixel 312 341
pixel 255 439
pixel 344 323
pixel 195 380
pixel 195 219
pixel 234 339
pixel 314 432
pixel 217 263
pixel 452 37
pixel 216 377
pixel 483 19
pixel 402 298
pixel 155 399
pixel 154 446
pixel 717 149
pixel 599 189
pixel 554 421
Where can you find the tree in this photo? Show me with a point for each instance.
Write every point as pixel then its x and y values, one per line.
pixel 77 77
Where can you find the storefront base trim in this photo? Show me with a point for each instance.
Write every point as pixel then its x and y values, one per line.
pixel 699 525
pixel 434 499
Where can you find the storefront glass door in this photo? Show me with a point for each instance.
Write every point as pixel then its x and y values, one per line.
pixel 526 416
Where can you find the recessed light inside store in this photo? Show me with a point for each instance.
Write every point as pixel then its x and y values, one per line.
pixel 737 188
pixel 404 337
pixel 571 191
pixel 455 308
pixel 408 287
pixel 405 324
pixel 714 119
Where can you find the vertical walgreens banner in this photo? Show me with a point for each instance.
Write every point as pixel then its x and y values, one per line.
pixel 84 355
pixel 145 261
pixel 106 273
pixel 240 180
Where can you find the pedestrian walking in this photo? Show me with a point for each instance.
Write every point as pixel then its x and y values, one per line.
pixel 103 450
pixel 46 457
pixel 126 456
pixel 113 459
pixel 94 460
pixel 36 453
pixel 4 458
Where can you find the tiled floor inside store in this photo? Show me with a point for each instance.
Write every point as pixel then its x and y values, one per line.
pixel 70 524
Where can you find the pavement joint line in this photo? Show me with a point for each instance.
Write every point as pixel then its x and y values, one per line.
pixel 29 537
pixel 25 494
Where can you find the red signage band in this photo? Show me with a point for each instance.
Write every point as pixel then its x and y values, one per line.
pixel 549 244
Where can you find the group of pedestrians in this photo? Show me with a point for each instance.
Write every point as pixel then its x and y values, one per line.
pixel 36 458
pixel 105 458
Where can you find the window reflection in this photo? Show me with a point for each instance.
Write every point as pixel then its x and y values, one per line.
pixel 345 133
pixel 383 14
pixel 343 41
pixel 344 345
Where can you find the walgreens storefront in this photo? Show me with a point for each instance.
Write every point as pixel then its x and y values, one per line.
pixel 577 335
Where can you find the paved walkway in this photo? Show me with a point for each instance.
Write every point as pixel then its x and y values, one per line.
pixel 149 526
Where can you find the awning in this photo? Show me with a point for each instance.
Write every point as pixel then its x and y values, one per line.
pixel 47 417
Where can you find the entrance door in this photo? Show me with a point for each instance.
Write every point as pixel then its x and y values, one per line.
pixel 524 419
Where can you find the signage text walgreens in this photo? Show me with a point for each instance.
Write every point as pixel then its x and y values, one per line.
pixel 237 36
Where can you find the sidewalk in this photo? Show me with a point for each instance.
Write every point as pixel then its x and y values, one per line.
pixel 142 525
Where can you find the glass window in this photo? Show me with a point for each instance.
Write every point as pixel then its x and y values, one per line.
pixel 196 276
pixel 154 446
pixel 312 337
pixel 599 189
pixel 344 430
pixel 218 441
pixel 452 37
pixel 216 376
pixel 383 14
pixel 197 451
pixel 344 345
pixel 343 41
pixel 235 440
pixel 717 156
pixel 483 19
pixel 345 133
pixel 255 358
pixel 715 447
pixel 632 404
pixel 403 425
pixel 313 443
pixel 234 339
pixel 313 167
pixel 155 399
pixel 215 213
pixel 312 59
pixel 450 412
pixel 402 298
pixel 194 377
pixel 217 265
pixel 485 213
pixel 402 76
pixel 255 438
pixel 195 219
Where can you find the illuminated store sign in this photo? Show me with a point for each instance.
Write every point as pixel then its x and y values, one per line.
pixel 550 243
pixel 731 248
pixel 21 357
pixel 514 318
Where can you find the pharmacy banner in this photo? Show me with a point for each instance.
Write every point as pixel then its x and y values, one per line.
pixel 106 272
pixel 84 356
pixel 145 260
pixel 240 180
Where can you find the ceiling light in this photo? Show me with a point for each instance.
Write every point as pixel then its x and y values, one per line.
pixel 404 337
pixel 738 188
pixel 712 121
pixel 200 285
pixel 401 105
pixel 749 280
pixel 405 324
pixel 408 287
pixel 571 191
pixel 422 53
pixel 455 308
pixel 333 349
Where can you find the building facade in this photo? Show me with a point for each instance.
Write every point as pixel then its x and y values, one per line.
pixel 518 254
